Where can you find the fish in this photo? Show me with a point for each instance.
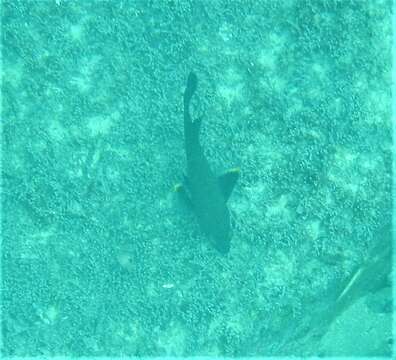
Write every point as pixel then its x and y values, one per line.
pixel 204 192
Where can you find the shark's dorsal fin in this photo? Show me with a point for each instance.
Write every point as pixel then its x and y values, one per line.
pixel 227 182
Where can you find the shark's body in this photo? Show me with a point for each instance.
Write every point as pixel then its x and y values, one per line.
pixel 206 193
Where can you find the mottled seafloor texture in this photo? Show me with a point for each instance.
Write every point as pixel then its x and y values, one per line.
pixel 99 258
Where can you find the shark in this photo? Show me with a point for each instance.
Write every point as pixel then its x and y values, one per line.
pixel 204 192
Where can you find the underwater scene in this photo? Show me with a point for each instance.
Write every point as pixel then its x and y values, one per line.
pixel 185 178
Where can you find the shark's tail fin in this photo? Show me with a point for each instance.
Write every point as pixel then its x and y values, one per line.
pixel 196 126
pixel 191 87
pixel 191 128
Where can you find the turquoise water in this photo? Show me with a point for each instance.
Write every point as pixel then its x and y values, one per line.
pixel 99 256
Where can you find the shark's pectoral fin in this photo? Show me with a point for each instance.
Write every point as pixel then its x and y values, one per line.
pixel 183 194
pixel 227 182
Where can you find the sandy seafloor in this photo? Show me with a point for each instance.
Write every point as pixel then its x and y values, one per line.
pixel 100 258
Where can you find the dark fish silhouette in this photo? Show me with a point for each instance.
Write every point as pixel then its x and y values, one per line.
pixel 203 191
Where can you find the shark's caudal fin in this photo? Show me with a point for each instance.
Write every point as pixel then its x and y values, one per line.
pixel 196 126
pixel 192 81
pixel 227 182
pixel 191 128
